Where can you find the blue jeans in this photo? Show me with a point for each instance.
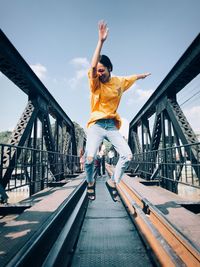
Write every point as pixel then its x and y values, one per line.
pixel 106 129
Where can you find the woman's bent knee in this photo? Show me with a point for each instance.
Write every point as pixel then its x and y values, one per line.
pixel 125 161
pixel 127 158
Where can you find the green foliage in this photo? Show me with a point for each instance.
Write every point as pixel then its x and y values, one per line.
pixel 80 136
pixel 79 133
pixel 107 145
pixel 4 137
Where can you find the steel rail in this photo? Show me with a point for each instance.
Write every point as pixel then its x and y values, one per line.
pixel 59 253
pixel 148 217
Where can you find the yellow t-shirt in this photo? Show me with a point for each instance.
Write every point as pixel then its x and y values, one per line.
pixel 105 97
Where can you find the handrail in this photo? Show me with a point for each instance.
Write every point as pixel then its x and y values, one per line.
pixel 171 164
pixel 33 167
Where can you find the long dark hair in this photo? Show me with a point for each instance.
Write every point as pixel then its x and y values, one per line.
pixel 103 59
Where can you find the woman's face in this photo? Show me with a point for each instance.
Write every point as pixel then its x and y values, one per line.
pixel 104 74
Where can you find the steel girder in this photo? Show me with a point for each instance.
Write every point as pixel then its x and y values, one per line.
pixel 17 70
pixel 186 69
pixel 184 131
pixel 18 138
pixel 170 124
pixel 40 106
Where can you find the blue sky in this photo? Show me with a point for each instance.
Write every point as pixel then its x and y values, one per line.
pixel 57 39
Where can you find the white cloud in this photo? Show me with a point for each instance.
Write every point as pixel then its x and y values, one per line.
pixel 39 70
pixel 81 66
pixel 143 94
pixel 139 95
pixel 80 62
pixel 193 117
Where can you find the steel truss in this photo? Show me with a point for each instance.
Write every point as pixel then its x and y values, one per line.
pixel 41 107
pixel 170 129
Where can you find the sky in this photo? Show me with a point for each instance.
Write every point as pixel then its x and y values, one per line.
pixel 57 39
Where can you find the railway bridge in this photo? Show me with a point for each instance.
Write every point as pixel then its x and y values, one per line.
pixel 156 221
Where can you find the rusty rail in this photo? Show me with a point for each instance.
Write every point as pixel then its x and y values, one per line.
pixel 170 246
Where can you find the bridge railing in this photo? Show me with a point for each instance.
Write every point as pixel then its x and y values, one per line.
pixel 170 166
pixel 34 168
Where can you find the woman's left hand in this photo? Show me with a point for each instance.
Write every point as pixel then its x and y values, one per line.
pixel 143 76
pixel 146 74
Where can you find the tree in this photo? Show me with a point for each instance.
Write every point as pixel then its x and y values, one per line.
pixel 4 137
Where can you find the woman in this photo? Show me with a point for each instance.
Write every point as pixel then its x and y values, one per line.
pixel 106 92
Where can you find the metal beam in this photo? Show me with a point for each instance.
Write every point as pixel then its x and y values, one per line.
pixel 186 69
pixel 18 71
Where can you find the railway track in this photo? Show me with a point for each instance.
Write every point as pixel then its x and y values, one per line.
pixel 169 245
pixel 55 241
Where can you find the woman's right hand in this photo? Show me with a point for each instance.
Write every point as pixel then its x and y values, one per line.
pixel 103 31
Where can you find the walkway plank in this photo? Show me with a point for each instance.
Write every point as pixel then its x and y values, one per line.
pixel 108 237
